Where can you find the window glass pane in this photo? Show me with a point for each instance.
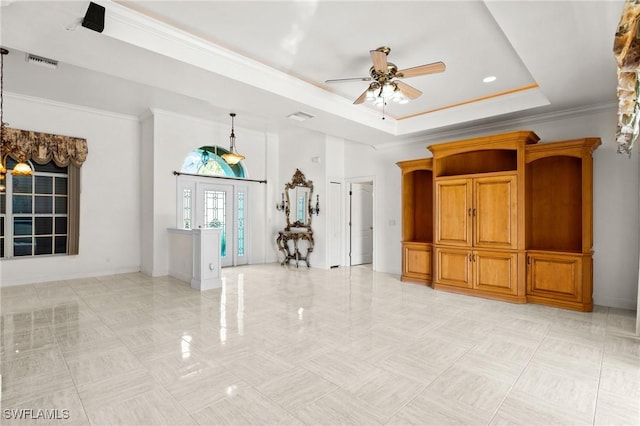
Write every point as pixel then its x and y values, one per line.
pixel 22 184
pixel 22 226
pixel 44 184
pixel 43 245
pixel 1 247
pixel 22 204
pixel 61 185
pixel 186 208
pixel 61 205
pixel 214 215
pixel 2 226
pixel 44 225
pixel 22 246
pixel 49 167
pixel 3 201
pixel 61 245
pixel 61 225
pixel 240 223
pixel 44 204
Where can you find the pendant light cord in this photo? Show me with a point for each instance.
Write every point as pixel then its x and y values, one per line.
pixel 3 52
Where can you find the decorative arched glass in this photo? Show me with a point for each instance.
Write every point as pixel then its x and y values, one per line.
pixel 207 160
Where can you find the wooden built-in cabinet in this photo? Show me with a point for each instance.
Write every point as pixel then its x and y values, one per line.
pixel 502 217
pixel 417 220
pixel 559 223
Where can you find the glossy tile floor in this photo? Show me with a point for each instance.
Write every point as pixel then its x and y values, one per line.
pixel 307 346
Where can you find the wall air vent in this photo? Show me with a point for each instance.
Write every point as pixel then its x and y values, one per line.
pixel 39 60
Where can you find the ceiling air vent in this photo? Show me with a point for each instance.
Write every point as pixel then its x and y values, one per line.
pixel 39 60
pixel 300 116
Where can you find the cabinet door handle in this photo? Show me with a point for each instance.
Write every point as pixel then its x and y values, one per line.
pixel 469 212
pixel 528 260
pixel 473 256
pixel 473 212
pixel 470 259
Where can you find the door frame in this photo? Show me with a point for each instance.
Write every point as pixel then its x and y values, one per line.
pixel 347 214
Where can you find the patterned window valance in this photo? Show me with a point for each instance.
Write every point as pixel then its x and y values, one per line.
pixel 24 145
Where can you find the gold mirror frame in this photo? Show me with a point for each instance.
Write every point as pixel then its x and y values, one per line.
pixel 298 181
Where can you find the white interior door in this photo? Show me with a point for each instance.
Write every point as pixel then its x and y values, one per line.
pixel 361 223
pixel 215 210
pixel 334 223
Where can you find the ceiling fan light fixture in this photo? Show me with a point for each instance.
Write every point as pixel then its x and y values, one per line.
pixel 388 89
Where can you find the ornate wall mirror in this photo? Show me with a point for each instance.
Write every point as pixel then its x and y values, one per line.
pixel 298 195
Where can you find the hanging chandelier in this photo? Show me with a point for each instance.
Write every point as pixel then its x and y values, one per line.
pixel 232 157
pixel 22 168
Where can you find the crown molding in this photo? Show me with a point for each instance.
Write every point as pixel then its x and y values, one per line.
pixel 546 117
pixel 73 107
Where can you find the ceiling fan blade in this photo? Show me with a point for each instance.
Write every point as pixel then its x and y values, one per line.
pixel 409 91
pixel 379 59
pixel 344 80
pixel 421 70
pixel 361 98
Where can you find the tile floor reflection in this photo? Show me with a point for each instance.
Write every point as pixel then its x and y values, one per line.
pixel 283 345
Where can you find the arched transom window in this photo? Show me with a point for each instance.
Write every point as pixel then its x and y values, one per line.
pixel 207 160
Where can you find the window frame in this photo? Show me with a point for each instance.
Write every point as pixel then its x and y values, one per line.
pixel 8 215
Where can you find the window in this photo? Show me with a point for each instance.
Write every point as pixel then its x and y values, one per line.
pixel 186 208
pixel 240 215
pixel 34 216
pixel 207 160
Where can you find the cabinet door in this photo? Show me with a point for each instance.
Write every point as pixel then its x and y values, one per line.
pixel 555 276
pixel 495 271
pixel 495 212
pixel 453 215
pixel 453 267
pixel 417 262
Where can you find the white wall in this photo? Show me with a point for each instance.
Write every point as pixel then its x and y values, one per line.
pixel 110 191
pixel 616 197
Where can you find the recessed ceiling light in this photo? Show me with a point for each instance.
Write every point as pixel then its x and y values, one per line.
pixel 300 116
pixel 489 79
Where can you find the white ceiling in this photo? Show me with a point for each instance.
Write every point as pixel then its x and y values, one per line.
pixel 268 59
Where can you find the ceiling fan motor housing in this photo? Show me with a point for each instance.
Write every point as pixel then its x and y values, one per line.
pixel 392 69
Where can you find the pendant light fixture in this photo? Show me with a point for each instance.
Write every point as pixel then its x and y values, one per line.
pixel 232 157
pixel 22 168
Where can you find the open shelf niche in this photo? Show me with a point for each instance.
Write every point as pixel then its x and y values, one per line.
pixel 417 220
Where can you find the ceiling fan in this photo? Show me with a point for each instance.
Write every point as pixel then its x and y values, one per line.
pixel 386 81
